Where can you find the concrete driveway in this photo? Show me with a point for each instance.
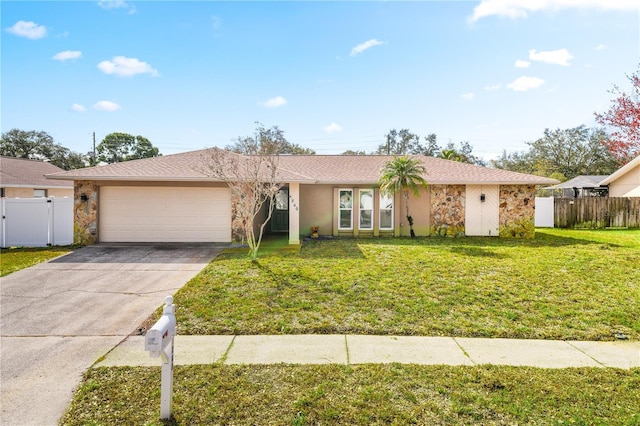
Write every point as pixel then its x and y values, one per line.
pixel 59 317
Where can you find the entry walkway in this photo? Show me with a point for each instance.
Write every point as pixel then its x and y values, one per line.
pixel 359 349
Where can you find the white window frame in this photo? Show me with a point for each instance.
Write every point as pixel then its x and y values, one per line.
pixel 341 209
pixel 384 197
pixel 360 209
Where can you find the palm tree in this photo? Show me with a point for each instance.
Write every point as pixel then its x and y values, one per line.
pixel 403 174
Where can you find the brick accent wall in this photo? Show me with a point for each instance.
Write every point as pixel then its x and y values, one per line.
pixel 447 210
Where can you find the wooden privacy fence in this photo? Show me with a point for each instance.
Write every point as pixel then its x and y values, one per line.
pixel 597 212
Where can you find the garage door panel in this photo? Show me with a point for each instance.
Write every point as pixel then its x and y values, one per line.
pixel 165 214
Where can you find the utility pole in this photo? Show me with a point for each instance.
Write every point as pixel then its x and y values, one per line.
pixel 94 149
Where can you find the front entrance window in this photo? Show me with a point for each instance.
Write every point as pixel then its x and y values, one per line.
pixel 366 209
pixel 282 200
pixel 345 209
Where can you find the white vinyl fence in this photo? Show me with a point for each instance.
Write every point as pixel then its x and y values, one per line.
pixel 36 222
pixel 544 212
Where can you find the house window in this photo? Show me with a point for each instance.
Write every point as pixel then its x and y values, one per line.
pixel 366 209
pixel 345 220
pixel 282 200
pixel 1 192
pixel 386 212
pixel 39 193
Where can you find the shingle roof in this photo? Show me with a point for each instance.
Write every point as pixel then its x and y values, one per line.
pixel 328 169
pixel 21 172
pixel 582 181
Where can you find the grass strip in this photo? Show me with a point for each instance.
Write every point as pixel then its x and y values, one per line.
pixel 16 258
pixel 360 395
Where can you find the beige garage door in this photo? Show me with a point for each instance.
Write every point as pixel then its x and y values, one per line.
pixel 164 214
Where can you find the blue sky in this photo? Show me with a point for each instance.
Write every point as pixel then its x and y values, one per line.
pixel 332 75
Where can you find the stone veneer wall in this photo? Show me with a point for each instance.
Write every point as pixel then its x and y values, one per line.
pixel 517 214
pixel 85 221
pixel 447 210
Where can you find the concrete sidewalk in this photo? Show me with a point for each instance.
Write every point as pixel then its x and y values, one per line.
pixel 358 349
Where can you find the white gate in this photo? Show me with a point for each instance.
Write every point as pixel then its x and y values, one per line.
pixel 544 212
pixel 36 222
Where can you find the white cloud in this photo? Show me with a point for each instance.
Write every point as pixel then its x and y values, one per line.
pixel 520 9
pixel 117 4
pixel 493 87
pixel 78 108
pixel 216 22
pixel 333 127
pixel 278 101
pixel 28 29
pixel 126 67
pixel 364 46
pixel 67 54
pixel 106 106
pixel 601 46
pixel 522 64
pixel 524 83
pixel 468 96
pixel 558 57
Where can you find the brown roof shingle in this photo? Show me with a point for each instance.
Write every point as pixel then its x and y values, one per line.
pixel 21 172
pixel 327 169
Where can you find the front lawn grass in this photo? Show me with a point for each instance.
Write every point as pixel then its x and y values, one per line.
pixel 564 284
pixel 360 395
pixel 17 258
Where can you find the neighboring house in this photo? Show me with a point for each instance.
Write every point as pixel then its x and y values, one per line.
pixel 23 178
pixel 171 198
pixel 579 186
pixel 624 182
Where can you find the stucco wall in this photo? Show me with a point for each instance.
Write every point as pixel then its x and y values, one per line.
pixel 316 208
pixel 28 192
pixel 627 185
pixel 420 211
pixel 447 210
pixel 517 211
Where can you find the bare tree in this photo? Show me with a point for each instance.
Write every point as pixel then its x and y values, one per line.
pixel 253 180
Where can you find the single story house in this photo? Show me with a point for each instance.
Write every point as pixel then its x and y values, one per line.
pixel 24 178
pixel 172 198
pixel 624 182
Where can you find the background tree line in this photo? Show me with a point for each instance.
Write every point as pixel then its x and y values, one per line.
pixel 560 153
pixel 39 145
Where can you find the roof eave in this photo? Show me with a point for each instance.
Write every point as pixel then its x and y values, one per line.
pixel 621 171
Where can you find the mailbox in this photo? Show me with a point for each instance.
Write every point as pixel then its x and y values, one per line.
pixel 159 336
pixel 159 343
pixel 163 331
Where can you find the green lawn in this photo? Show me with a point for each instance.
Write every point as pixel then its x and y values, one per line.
pixel 360 395
pixel 14 259
pixel 564 284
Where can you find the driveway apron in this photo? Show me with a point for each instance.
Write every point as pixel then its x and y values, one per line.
pixel 57 318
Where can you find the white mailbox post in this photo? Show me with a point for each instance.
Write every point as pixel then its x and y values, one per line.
pixel 159 343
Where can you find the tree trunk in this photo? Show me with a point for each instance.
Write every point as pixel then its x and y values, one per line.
pixel 409 218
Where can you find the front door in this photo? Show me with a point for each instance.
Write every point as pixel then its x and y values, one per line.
pixel 280 217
